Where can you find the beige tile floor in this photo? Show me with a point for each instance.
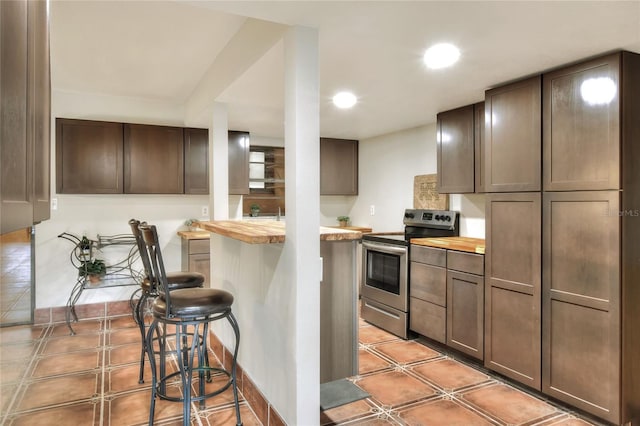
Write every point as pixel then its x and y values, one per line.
pixel 50 378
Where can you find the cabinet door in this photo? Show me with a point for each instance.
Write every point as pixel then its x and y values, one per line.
pixel 581 300
pixel 513 137
pixel 201 263
pixel 428 319
pixel 16 182
pixel 428 283
pixel 88 157
pixel 196 161
pixel 455 151
pixel 338 167
pixel 465 313
pixel 40 108
pixel 238 162
pixel 512 286
pixel 478 111
pixel 153 159
pixel 581 119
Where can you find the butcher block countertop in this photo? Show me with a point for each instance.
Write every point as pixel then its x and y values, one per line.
pixel 194 235
pixel 470 245
pixel 269 231
pixel 363 229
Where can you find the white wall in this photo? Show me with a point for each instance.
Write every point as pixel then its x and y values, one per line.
pixel 105 214
pixel 387 166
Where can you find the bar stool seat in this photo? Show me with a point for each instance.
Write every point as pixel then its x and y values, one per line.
pixel 189 311
pixel 194 303
pixel 176 280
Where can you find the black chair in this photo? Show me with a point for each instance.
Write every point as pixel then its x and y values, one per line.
pixel 148 289
pixel 189 311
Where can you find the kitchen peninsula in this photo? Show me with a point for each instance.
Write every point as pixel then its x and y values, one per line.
pixel 246 259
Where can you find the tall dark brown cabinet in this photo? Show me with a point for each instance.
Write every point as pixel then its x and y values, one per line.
pixel 513 283
pixel 25 92
pixel 591 222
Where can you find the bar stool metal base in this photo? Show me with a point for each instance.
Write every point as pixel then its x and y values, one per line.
pixel 194 360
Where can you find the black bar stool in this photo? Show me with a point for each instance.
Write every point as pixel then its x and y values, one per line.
pixel 189 311
pixel 148 289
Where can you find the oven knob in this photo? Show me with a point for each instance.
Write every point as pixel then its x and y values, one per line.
pixel 409 215
pixel 447 218
pixel 437 217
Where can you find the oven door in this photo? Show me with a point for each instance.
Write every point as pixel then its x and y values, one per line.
pixel 384 273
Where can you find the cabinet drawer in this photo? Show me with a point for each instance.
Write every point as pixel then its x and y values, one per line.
pixel 428 319
pixel 199 246
pixel 428 283
pixel 429 255
pixel 465 262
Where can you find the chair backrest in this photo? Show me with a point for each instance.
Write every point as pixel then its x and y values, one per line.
pixel 159 276
pixel 144 255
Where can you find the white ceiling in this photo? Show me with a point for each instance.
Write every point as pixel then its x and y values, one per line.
pixel 191 53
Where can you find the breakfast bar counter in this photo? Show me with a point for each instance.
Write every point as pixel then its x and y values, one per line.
pixel 269 231
pixel 248 259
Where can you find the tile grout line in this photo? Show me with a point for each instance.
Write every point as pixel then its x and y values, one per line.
pixel 104 360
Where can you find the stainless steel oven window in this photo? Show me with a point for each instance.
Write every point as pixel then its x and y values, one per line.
pixel 383 271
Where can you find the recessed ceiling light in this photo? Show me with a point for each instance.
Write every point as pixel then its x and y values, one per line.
pixel 344 100
pixel 441 55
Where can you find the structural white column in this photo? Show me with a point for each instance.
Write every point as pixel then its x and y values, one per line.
pixel 302 245
pixel 219 163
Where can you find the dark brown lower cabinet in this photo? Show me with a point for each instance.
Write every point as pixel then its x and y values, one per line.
pixel 196 257
pixel 513 286
pixel 465 302
pixel 428 289
pixel 581 301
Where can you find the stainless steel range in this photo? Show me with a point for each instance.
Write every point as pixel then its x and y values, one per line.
pixel 385 267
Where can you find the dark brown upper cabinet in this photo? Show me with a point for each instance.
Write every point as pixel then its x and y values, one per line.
pixel 196 161
pixel 88 157
pixel 455 151
pixel 153 159
pixel 581 125
pixel 338 166
pixel 239 145
pixel 25 114
pixel 513 137
pixel 40 111
pixel 478 111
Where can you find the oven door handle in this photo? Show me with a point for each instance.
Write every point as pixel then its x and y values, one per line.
pixel 384 248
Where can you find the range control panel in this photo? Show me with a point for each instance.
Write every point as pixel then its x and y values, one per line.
pixel 431 218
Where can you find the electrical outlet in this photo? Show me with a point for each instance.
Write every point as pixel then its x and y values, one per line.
pixel 205 211
pixel 54 204
pixel 372 210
